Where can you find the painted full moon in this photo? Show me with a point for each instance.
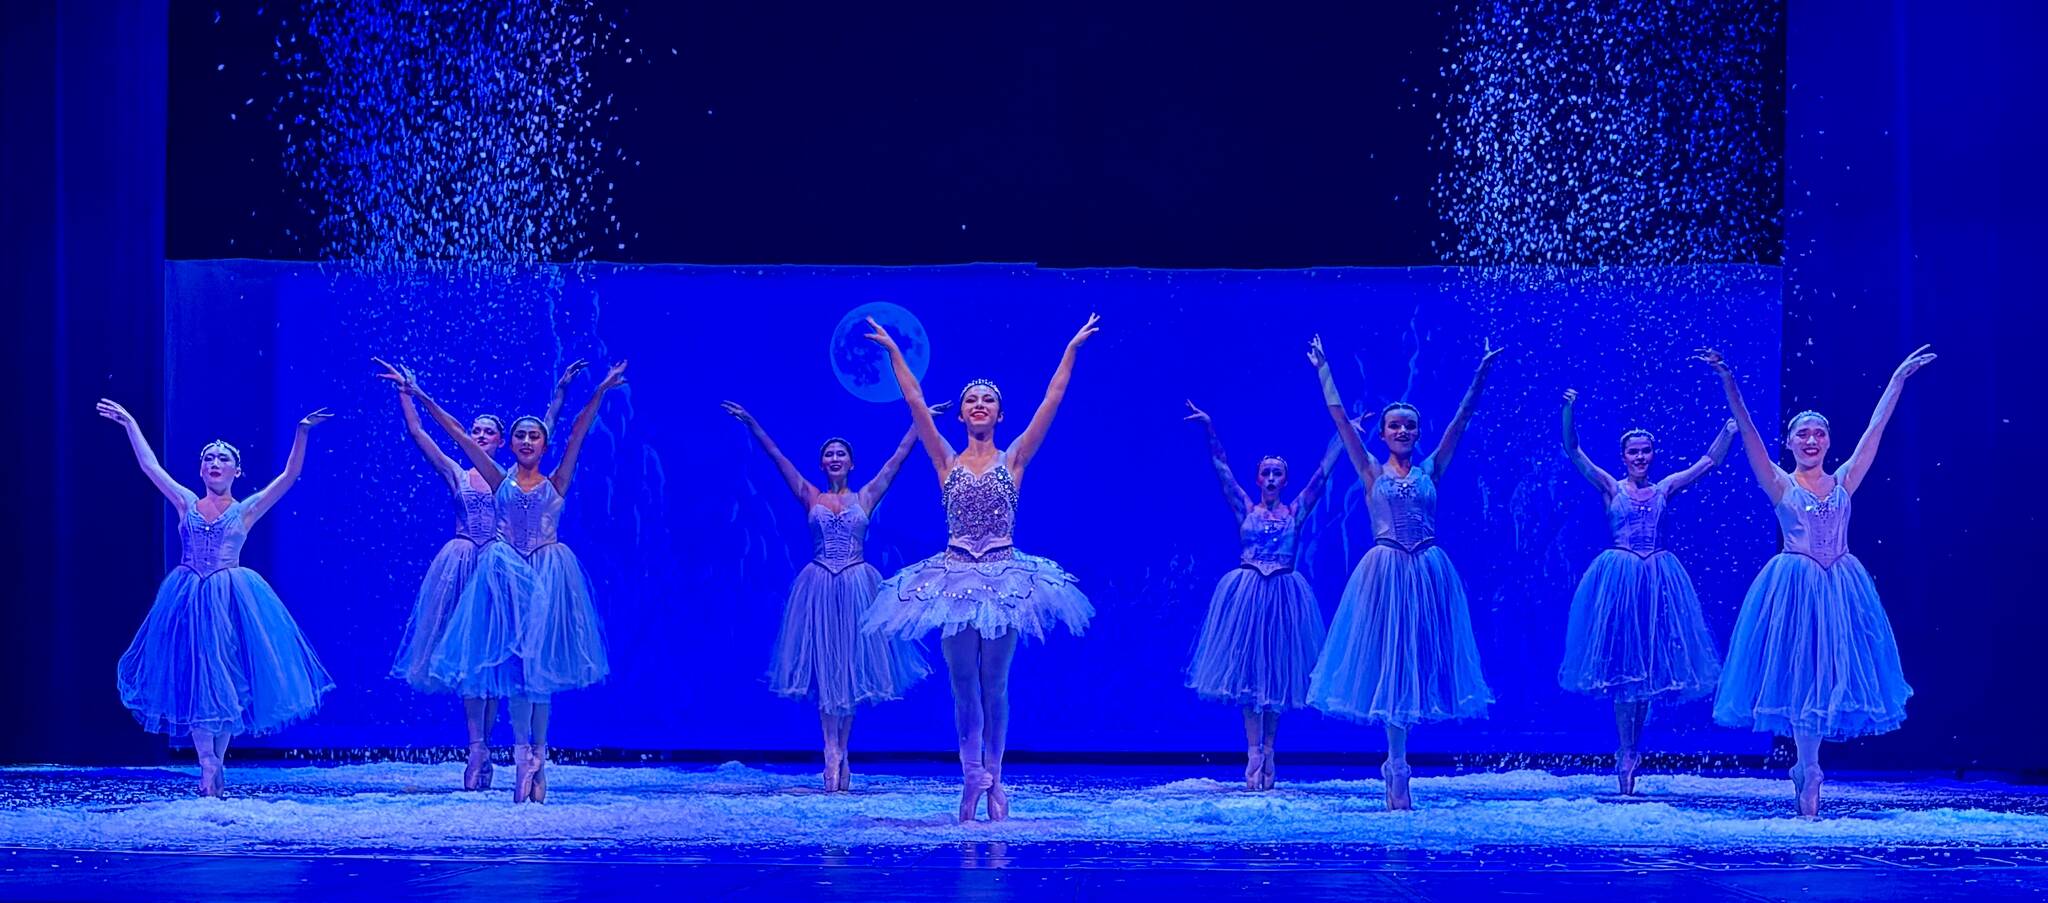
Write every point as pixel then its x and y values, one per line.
pixel 863 366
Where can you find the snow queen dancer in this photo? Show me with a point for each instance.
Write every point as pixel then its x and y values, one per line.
pixel 1264 629
pixel 525 627
pixel 1812 655
pixel 1401 649
pixel 218 655
pixel 980 593
pixel 821 652
pixel 1636 633
pixel 476 526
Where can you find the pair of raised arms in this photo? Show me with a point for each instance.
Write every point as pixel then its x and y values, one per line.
pixel 487 467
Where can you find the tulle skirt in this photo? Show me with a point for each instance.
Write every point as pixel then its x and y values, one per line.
pixel 1007 590
pixel 1259 642
pixel 1813 653
pixel 821 652
pixel 439 594
pixel 1401 649
pixel 220 653
pixel 526 627
pixel 1636 632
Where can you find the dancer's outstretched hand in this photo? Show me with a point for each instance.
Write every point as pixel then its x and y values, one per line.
pixel 113 411
pixel 315 419
pixel 939 408
pixel 880 336
pixel 568 374
pixel 1712 359
pixel 738 413
pixel 401 378
pixel 1087 329
pixel 1913 362
pixel 1316 357
pixel 1197 414
pixel 1489 353
pixel 613 379
pixel 1570 395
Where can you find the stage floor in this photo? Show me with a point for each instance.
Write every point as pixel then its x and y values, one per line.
pixel 734 832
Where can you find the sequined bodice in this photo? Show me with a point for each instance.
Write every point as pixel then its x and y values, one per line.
pixel 527 519
pixel 476 513
pixel 839 536
pixel 1403 508
pixel 1269 539
pixel 214 545
pixel 980 510
pixel 1813 525
pixel 1633 521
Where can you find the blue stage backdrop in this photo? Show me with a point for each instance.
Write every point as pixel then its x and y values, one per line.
pixel 691 538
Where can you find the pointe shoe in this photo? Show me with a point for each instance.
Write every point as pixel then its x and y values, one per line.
pixel 1254 768
pixel 212 781
pixel 973 784
pixel 845 775
pixel 523 766
pixel 1626 761
pixel 1806 789
pixel 1396 777
pixel 998 800
pixel 539 791
pixel 476 772
pixel 1266 770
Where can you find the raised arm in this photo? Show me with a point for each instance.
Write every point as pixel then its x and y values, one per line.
pixel 552 418
pixel 1347 433
pixel 1699 468
pixel 871 494
pixel 478 458
pixel 921 421
pixel 442 464
pixel 1440 459
pixel 268 496
pixel 1026 446
pixel 1233 494
pixel 1311 493
pixel 1852 470
pixel 566 470
pixel 1591 471
pixel 802 488
pixel 180 497
pixel 1767 473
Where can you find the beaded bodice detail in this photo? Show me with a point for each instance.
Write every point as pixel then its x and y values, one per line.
pixel 215 545
pixel 1816 526
pixel 1633 521
pixel 476 512
pixel 980 510
pixel 1403 508
pixel 839 537
pixel 527 519
pixel 1269 538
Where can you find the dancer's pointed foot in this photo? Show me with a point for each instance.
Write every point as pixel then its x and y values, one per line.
pixel 476 772
pixel 973 784
pixel 212 778
pixel 1626 761
pixel 1806 789
pixel 523 766
pixel 845 775
pixel 1266 770
pixel 1254 768
pixel 1396 777
pixel 998 801
pixel 835 763
pixel 538 793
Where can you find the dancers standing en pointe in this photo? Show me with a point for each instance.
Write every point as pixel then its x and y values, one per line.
pixel 820 652
pixel 1264 630
pixel 525 627
pixel 1401 649
pixel 980 593
pixel 1636 633
pixel 218 655
pixel 476 526
pixel 1812 656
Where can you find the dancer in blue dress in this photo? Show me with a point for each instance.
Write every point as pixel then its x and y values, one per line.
pixel 218 655
pixel 1264 629
pixel 1636 633
pixel 980 593
pixel 525 627
pixel 821 652
pixel 476 526
pixel 1812 656
pixel 1401 649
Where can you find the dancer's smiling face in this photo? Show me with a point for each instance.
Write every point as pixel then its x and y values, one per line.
pixel 836 459
pixel 485 433
pixel 981 408
pixel 1636 454
pixel 1808 441
pixel 1398 430
pixel 529 442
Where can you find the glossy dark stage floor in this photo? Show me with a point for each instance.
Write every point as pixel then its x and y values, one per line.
pixel 389 831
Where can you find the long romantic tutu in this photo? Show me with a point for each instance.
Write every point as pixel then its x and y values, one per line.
pixel 525 627
pixel 220 653
pixel 1259 642
pixel 1813 652
pixel 821 652
pixel 1006 591
pixel 440 592
pixel 1636 632
pixel 1401 649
